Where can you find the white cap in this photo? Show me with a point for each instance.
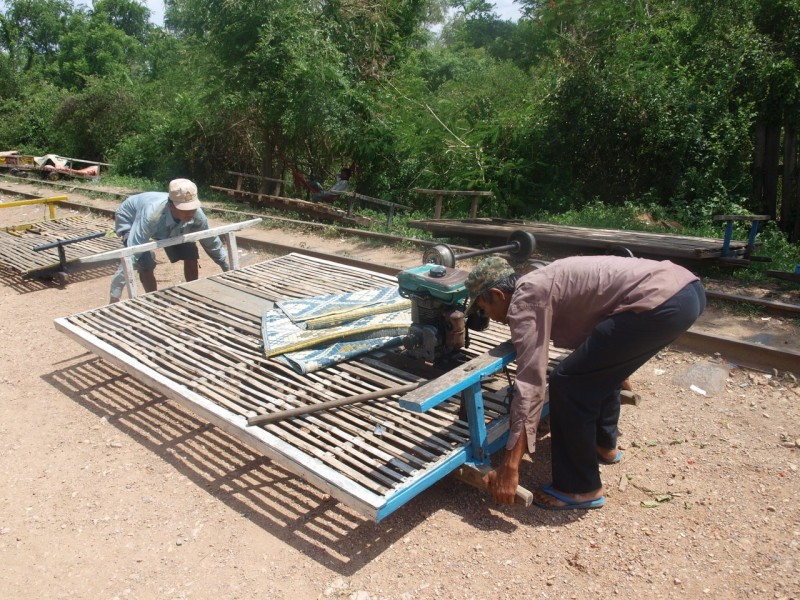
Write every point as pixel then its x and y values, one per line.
pixel 183 194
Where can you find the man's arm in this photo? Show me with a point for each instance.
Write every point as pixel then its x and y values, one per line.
pixel 213 246
pixel 530 333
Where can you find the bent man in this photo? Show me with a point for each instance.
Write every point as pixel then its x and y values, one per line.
pixel 159 216
pixel 615 313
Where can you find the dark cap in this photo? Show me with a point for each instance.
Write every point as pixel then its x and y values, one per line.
pixel 486 275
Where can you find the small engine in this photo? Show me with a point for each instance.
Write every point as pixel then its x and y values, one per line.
pixel 439 300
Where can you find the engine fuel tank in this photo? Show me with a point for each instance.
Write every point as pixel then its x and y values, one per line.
pixel 443 283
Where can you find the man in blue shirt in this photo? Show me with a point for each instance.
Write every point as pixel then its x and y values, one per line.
pixel 159 216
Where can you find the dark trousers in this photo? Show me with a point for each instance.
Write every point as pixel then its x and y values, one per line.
pixel 585 386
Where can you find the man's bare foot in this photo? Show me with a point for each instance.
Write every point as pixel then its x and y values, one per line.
pixel 550 498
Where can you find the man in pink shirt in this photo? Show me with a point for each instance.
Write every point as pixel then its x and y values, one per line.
pixel 615 313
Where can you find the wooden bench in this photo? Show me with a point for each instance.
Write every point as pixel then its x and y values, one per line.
pixel 440 194
pixel 751 238
pixel 392 206
pixel 240 177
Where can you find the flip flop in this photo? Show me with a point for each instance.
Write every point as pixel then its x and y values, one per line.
pixel 613 461
pixel 570 503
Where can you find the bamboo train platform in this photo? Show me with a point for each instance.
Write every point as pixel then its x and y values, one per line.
pixel 568 239
pixel 318 210
pixel 200 345
pixel 17 244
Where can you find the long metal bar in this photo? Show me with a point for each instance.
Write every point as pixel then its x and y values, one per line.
pixel 60 243
pixel 745 354
pixel 178 239
pixel 312 408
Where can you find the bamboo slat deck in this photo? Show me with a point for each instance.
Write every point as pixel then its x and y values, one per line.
pixel 17 243
pixel 200 345
pixel 641 243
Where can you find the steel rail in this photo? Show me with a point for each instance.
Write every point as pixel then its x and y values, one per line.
pixel 745 354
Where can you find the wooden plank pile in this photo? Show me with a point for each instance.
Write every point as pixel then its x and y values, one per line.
pixel 17 243
pixel 317 210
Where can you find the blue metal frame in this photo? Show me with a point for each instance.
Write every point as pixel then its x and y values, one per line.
pixel 751 238
pixel 477 452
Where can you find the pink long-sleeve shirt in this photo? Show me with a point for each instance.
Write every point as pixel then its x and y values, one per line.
pixel 562 302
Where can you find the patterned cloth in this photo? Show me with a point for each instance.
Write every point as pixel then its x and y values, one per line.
pixel 309 334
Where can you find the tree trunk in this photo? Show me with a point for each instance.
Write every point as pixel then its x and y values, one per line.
pixel 757 198
pixel 772 144
pixel 790 196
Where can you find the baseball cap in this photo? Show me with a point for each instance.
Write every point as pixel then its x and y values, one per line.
pixel 183 194
pixel 487 274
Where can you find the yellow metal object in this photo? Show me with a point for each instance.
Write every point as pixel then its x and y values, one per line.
pixel 51 202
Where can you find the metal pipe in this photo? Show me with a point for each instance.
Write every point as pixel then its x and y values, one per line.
pixel 514 246
pixel 312 408
pixel 61 243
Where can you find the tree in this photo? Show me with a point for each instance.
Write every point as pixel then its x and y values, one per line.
pixel 32 30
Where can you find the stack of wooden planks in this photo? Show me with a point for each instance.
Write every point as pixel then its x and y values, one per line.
pixel 317 210
pixel 567 238
pixel 17 243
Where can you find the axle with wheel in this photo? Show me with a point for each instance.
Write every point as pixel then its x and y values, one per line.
pixel 520 246
pixel 439 298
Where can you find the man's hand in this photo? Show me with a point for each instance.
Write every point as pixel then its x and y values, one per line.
pixel 502 483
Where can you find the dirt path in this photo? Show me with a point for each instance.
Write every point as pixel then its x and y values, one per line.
pixel 109 491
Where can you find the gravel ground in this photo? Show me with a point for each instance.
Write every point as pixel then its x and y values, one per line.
pixel 107 490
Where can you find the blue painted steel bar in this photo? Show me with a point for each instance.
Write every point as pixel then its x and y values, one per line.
pixel 476 419
pixel 751 239
pixel 473 372
pixel 726 243
pixel 497 432
pixel 483 440
pixel 416 486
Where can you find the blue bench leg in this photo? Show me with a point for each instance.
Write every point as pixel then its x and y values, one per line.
pixel 726 243
pixel 751 240
pixel 476 420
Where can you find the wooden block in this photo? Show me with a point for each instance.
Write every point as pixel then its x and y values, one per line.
pixel 473 475
pixel 628 397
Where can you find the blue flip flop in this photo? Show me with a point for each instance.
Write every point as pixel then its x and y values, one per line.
pixel 613 461
pixel 570 503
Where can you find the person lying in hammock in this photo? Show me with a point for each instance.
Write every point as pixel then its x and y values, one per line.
pixel 342 184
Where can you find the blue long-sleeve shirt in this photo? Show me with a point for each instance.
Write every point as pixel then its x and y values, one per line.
pixel 146 217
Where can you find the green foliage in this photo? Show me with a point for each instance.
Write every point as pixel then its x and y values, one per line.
pixel 583 101
pixel 30 118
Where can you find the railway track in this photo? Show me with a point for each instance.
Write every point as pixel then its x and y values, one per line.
pixel 755 356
